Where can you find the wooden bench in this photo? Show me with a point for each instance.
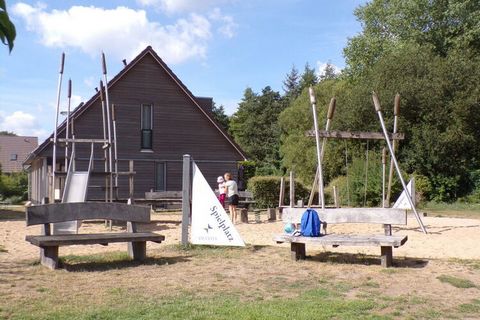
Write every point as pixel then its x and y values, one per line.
pixel 385 241
pixel 60 212
pixel 162 198
pixel 245 199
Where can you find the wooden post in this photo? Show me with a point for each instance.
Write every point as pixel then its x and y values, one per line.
pixel 335 197
pixel 384 163
pixel 297 251
pixel 317 141
pixel 244 215
pixel 272 214
pixel 281 197
pixel 186 187
pixel 396 113
pixel 292 189
pixel 130 180
pixel 386 256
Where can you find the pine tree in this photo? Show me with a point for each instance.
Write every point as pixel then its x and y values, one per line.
pixel 291 84
pixel 309 78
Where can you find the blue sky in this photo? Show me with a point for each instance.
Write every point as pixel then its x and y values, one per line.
pixel 216 47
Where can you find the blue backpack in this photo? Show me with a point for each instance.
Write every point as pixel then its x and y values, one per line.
pixel 310 224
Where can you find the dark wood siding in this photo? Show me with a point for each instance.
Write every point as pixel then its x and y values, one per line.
pixel 179 127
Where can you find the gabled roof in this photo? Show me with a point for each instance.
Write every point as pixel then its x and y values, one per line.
pixel 82 107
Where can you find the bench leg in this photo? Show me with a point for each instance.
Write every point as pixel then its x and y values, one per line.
pixel 386 256
pixel 49 257
pixel 137 250
pixel 297 251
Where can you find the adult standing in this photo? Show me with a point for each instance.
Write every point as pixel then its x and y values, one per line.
pixel 231 190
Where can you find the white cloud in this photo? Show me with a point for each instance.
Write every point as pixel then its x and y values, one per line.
pixel 228 25
pixel 177 6
pixel 322 65
pixel 121 32
pixel 22 123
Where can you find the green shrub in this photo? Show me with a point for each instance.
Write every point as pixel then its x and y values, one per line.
pixel 266 189
pixel 14 184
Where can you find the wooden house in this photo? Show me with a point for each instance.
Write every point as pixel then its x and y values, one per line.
pixel 158 120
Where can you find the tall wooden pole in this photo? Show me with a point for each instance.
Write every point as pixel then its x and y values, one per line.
pixel 281 196
pixel 292 189
pixel 378 108
pixel 331 111
pixel 384 167
pixel 186 187
pixel 67 131
pixel 54 156
pixel 317 140
pixel 105 145
pixel 396 113
pixel 109 129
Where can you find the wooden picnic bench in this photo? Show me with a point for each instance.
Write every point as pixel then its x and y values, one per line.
pixel 385 241
pixel 61 212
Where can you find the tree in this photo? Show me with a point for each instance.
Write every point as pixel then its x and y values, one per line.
pixel 390 24
pixel 8 133
pixel 291 85
pixel 254 127
pixel 328 73
pixel 220 116
pixel 7 28
pixel 308 78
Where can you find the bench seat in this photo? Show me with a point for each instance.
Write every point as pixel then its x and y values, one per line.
pixel 336 240
pixel 93 238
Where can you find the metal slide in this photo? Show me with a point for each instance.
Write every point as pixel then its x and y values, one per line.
pixel 76 186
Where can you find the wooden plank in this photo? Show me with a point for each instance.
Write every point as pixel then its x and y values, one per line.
pixel 350 215
pixel 59 212
pixel 186 197
pixel 93 238
pixel 160 195
pixel 346 240
pixel 335 134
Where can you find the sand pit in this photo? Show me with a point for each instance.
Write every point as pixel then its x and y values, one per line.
pixel 448 238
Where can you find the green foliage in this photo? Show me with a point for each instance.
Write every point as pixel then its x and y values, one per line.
pixel 309 77
pixel 254 126
pixel 14 187
pixel 7 28
pixel 266 190
pixel 389 24
pixel 456 282
pixel 7 133
pixel 220 116
pixel 291 85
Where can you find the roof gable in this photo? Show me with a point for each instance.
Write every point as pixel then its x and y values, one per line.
pixel 196 101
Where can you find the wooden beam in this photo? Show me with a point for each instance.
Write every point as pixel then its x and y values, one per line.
pixel 60 212
pixel 335 134
pixel 350 215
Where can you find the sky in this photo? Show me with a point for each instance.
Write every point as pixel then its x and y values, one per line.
pixel 217 48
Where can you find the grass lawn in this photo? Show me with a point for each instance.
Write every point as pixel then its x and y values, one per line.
pixel 230 283
pixel 452 210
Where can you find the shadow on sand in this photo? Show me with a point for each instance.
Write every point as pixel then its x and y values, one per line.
pixel 351 258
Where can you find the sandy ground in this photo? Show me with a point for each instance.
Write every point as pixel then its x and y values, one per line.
pixel 447 238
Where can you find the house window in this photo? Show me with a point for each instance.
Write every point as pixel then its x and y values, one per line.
pixel 146 126
pixel 160 176
pixel 13 157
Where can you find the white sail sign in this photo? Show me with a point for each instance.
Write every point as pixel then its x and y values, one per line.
pixel 402 201
pixel 210 223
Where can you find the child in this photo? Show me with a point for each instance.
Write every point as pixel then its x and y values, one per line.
pixel 221 191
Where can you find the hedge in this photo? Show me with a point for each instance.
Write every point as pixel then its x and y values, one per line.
pixel 266 189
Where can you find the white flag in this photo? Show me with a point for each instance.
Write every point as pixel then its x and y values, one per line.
pixel 210 222
pixel 402 201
